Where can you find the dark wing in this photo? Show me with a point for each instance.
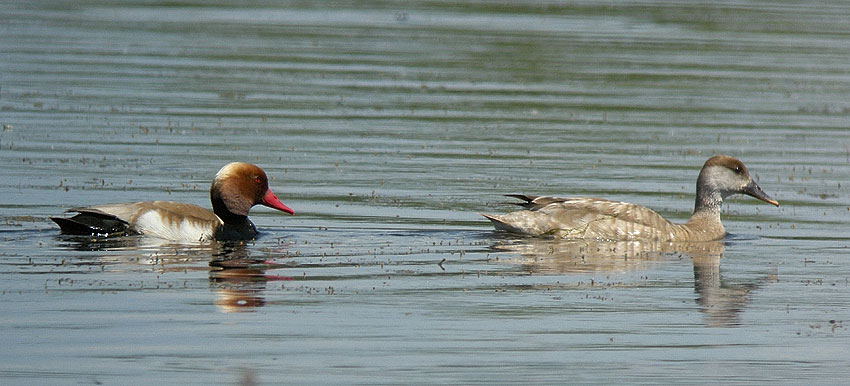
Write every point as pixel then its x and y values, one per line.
pixel 535 202
pixel 92 222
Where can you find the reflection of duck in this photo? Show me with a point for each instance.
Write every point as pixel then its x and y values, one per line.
pixel 720 302
pixel 239 280
pixel 595 218
pixel 555 256
pixel 238 290
pixel 166 255
pixel 236 188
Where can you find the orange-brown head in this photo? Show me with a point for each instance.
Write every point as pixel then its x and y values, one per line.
pixel 238 186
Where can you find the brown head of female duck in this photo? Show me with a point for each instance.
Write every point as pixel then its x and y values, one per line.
pixel 595 218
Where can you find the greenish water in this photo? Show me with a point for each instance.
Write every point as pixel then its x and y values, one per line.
pixel 387 127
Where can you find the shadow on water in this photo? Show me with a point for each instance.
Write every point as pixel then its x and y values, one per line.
pixel 721 301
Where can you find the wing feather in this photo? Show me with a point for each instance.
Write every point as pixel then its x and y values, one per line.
pixel 584 218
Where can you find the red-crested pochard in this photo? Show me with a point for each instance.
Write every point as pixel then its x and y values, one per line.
pixel 236 188
pixel 596 218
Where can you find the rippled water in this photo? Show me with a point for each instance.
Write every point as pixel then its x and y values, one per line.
pixel 388 127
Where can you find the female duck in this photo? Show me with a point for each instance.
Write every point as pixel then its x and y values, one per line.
pixel 596 218
pixel 236 188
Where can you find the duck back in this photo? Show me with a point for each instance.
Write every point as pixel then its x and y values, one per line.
pixel 585 218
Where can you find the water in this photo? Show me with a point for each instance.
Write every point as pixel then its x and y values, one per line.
pixel 388 127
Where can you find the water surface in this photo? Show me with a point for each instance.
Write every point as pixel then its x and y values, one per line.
pixel 388 127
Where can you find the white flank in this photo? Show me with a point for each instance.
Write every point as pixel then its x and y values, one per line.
pixel 151 223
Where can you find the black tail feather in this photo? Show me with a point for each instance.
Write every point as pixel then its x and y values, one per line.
pixel 523 197
pixel 528 200
pixel 535 202
pixel 92 224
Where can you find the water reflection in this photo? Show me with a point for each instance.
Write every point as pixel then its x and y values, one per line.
pixel 145 250
pixel 239 280
pixel 720 301
pixel 91 243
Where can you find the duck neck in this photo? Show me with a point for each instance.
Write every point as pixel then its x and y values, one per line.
pixel 227 217
pixel 234 227
pixel 708 202
pixel 707 210
pixel 241 231
pixel 709 198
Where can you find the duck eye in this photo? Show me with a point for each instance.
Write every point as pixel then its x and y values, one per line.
pixel 257 179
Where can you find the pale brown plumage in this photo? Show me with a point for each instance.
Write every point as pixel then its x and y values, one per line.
pixel 596 218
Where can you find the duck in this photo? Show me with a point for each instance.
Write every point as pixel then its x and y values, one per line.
pixel 235 189
pixel 595 218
